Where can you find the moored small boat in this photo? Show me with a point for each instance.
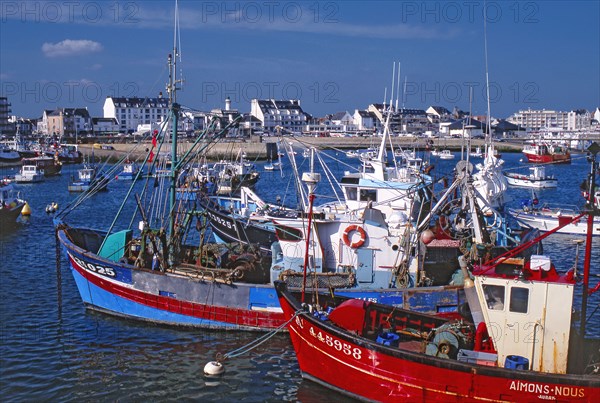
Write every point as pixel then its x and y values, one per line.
pixel 50 166
pixel 9 157
pixel 446 155
pixel 29 174
pixel 11 204
pixel 88 178
pixel 536 179
pixel 130 170
pixel 545 152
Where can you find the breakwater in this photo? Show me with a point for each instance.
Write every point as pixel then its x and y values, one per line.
pixel 257 149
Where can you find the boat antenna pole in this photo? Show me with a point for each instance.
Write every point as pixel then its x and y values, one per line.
pixel 592 211
pixel 488 135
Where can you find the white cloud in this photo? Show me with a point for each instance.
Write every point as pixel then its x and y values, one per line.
pixel 70 47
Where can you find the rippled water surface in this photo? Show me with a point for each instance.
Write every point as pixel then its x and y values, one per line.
pixel 53 349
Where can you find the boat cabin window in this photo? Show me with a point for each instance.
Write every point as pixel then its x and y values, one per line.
pixel 287 233
pixel 351 193
pixel 368 195
pixel 494 296
pixel 519 299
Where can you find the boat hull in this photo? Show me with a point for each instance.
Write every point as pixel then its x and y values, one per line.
pixel 363 369
pixel 231 229
pixel 547 222
pixel 180 299
pixel 9 214
pixel 548 158
pixel 524 181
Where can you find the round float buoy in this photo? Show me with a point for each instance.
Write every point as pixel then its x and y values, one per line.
pixel 26 210
pixel 214 368
pixel 427 236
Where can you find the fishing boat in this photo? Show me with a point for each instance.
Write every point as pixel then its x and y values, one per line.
pixel 130 170
pixel 477 153
pixel 88 179
pixel 382 353
pixel 377 352
pixel 29 173
pixel 547 218
pixel 65 153
pixel 11 204
pixel 50 165
pixel 230 176
pixel 446 155
pixel 536 179
pixel 164 271
pixel 9 157
pixel 543 152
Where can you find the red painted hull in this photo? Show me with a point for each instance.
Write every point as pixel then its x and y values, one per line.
pixel 548 158
pixel 361 368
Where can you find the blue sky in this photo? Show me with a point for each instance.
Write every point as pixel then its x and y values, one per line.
pixel 333 55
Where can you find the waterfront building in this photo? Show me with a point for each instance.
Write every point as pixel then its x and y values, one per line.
pixel 344 122
pixel 367 121
pixel 540 119
pixel 280 114
pixel 579 119
pixel 249 124
pixel 130 112
pixel 68 122
pixel 438 114
pixel 23 126
pixel 105 126
pixel 459 128
pixel 6 127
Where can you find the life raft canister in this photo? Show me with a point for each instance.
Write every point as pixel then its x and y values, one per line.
pixel 360 241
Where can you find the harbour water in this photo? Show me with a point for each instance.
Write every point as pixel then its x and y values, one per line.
pixel 53 349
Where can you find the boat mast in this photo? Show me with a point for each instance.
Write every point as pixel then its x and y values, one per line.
pixel 592 211
pixel 174 110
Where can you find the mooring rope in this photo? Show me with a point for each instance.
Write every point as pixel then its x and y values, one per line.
pixel 255 343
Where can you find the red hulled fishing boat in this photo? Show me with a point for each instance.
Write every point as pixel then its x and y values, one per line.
pixel 519 342
pixel 543 152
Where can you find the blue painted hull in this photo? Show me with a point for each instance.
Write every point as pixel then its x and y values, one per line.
pixel 176 298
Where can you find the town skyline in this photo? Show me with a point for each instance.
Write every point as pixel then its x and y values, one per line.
pixel 333 56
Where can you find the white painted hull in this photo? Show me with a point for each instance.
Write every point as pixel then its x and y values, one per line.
pixel 524 181
pixel 547 222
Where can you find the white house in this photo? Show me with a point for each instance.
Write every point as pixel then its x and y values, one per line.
pixel 366 120
pixel 133 111
pixel 105 126
pixel 276 114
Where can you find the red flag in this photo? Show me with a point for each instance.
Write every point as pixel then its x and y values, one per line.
pixel 151 156
pixel 154 139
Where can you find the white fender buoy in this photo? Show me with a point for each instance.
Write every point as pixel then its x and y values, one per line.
pixel 214 368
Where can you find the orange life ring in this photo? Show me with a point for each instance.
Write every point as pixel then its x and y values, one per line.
pixel 361 240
